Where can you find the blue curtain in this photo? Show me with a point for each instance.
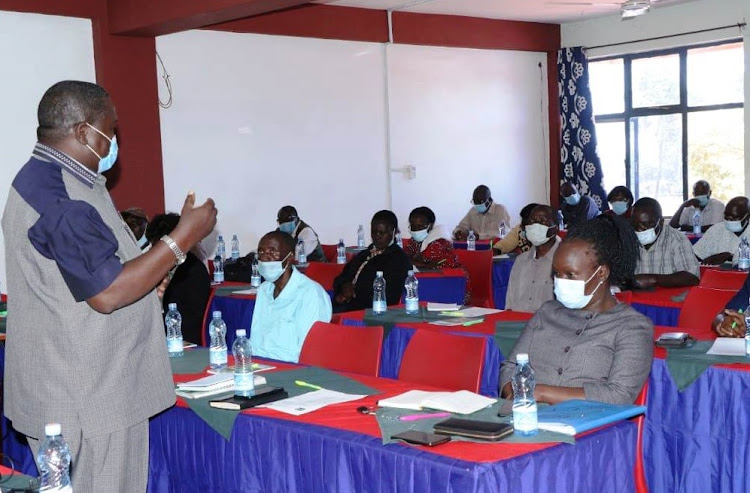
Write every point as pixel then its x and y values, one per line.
pixel 579 163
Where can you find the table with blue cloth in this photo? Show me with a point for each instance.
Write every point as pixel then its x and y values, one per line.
pixel 501 268
pixel 661 305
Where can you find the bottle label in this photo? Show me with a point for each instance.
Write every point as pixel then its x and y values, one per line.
pixel 174 345
pixel 379 306
pixel 217 357
pixel 218 276
pixel 747 345
pixel 255 281
pixel 235 255
pixel 412 305
pixel 244 383
pixel 525 418
pixel 743 264
pixel 341 260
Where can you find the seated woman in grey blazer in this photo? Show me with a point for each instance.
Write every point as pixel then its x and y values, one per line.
pixel 585 344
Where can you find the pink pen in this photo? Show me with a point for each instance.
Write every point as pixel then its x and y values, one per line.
pixel 415 417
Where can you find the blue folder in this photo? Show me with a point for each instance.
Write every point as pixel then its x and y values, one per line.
pixel 576 416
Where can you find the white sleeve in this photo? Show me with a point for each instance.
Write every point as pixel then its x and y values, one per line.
pixel 310 238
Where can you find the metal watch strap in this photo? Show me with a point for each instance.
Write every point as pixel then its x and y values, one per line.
pixel 175 249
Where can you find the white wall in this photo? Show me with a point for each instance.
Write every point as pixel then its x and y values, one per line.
pixel 35 52
pixel 681 18
pixel 260 121
pixel 465 117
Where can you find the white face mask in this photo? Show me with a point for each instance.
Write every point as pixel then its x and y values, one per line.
pixel 646 237
pixel 537 234
pixel 572 292
pixel 271 271
pixel 734 226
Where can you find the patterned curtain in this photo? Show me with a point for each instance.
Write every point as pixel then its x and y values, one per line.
pixel 579 161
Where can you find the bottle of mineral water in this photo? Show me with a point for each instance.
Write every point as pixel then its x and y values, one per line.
pixel 361 237
pixel 235 248
pixel 244 384
pixel 53 460
pixel 217 353
pixel 218 268
pixel 743 255
pixel 379 304
pixel 524 405
pixel 697 222
pixel 502 230
pixel 411 286
pixel 221 249
pixel 255 275
pixel 341 252
pixel 471 241
pixel 560 221
pixel 747 331
pixel 173 321
pixel 301 256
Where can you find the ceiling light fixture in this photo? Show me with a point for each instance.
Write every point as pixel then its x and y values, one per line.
pixel 634 8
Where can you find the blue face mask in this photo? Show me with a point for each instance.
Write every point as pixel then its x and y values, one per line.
pixel 481 208
pixel 573 199
pixel 419 236
pixel 619 207
pixel 288 227
pixel 142 241
pixel 271 271
pixel 106 162
pixel 702 200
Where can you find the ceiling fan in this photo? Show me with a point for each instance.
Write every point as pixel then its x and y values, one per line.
pixel 628 8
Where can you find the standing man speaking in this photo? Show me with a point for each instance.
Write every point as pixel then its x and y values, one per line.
pixel 85 340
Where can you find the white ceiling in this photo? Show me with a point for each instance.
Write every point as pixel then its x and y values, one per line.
pixel 552 11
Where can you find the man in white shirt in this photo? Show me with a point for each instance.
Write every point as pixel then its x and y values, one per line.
pixel 721 241
pixel 712 210
pixel 483 218
pixel 290 223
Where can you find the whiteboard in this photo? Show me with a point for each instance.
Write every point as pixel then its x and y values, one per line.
pixel 37 51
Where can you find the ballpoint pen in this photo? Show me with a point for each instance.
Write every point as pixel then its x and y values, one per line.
pixel 415 417
pixel 308 385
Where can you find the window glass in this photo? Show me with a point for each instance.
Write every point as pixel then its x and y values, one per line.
pixel 715 75
pixel 607 82
pixel 656 81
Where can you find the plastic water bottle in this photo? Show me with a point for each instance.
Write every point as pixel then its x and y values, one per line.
pixel 502 230
pixel 301 256
pixel 341 252
pixel 743 255
pixel 255 275
pixel 399 241
pixel 221 248
pixel 524 405
pixel 560 220
pixel 361 237
pixel 471 241
pixel 173 320
pixel 411 286
pixel 218 268
pixel 379 304
pixel 217 353
pixel 244 384
pixel 747 330
pixel 235 248
pixel 53 461
pixel 697 222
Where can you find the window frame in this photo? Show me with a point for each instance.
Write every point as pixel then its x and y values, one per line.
pixel 682 108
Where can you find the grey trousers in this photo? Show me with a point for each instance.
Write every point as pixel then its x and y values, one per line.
pixel 116 463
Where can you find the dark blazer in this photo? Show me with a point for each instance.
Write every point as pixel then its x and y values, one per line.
pixel 395 265
pixel 189 288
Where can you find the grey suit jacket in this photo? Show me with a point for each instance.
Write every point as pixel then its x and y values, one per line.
pixel 608 354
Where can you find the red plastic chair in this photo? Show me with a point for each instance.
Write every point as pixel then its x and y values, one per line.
pixel 447 361
pixel 641 485
pixel 479 266
pixel 324 273
pixel 723 279
pixel 343 348
pixel 330 252
pixel 700 308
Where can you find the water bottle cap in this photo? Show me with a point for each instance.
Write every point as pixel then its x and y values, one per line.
pixel 172 306
pixel 234 237
pixel 410 273
pixel 379 273
pixel 53 429
pixel 220 237
pixel 217 314
pixel 522 358
pixel 241 333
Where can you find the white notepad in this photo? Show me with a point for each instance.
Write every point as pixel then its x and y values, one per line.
pixel 211 385
pixel 459 402
pixel 728 346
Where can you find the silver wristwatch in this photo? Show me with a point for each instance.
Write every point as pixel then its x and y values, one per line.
pixel 181 257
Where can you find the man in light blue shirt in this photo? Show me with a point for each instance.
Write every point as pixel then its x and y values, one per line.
pixel 288 302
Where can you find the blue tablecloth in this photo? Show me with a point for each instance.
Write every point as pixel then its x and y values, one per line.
pixel 448 289
pixel 398 338
pixel 266 454
pixel 500 276
pixel 666 316
pixel 237 313
pixel 697 440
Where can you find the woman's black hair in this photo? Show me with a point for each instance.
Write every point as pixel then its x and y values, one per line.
pixel 615 243
pixel 424 212
pixel 387 217
pixel 625 191
pixel 162 224
pixel 526 211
